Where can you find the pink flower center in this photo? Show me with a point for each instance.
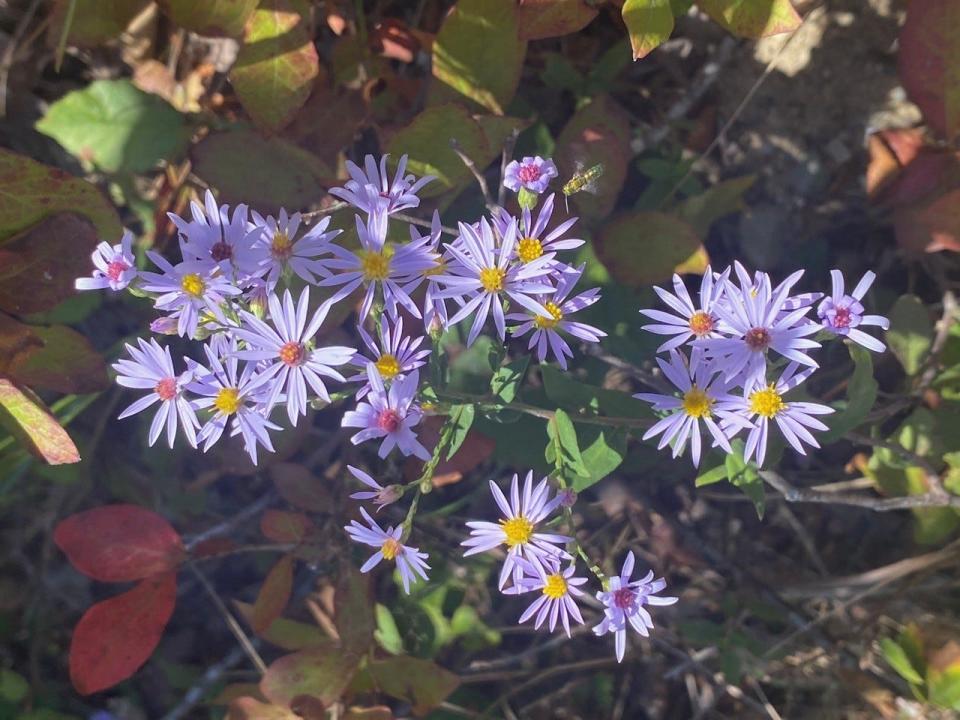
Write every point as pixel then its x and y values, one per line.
pixel 757 339
pixel 624 598
pixel 388 420
pixel 221 251
pixel 842 318
pixel 528 173
pixel 166 389
pixel 291 353
pixel 116 268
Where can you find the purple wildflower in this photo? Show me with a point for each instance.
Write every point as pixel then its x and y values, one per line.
pixel 380 495
pixel 690 321
pixel 216 239
pixel 114 266
pixel 842 314
pixel 753 316
pixel 701 390
pixel 376 265
pixel 546 328
pixel 293 362
pixel 557 587
pixel 151 368
pixel 277 248
pixel 371 190
pixel 410 561
pixel 762 403
pixel 389 414
pixel 187 290
pixel 395 356
pixel 535 241
pixel 518 527
pixel 235 397
pixel 483 270
pixel 532 173
pixel 623 603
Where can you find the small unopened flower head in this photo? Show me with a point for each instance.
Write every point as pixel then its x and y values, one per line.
pixel 380 495
pixel 115 267
pixel 843 314
pixel 531 173
pixel 410 561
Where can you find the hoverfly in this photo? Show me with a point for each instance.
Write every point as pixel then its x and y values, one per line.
pixel 584 179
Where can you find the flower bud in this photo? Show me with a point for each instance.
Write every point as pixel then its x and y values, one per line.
pixel 164 326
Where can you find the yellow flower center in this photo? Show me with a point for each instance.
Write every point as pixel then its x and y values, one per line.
pixel 227 401
pixel 281 247
pixel 556 315
pixel 529 249
pixel 555 587
pixel 701 323
pixel 374 265
pixel 193 284
pixel 388 366
pixel 492 279
pixel 766 402
pixel 391 548
pixel 696 403
pixel 518 530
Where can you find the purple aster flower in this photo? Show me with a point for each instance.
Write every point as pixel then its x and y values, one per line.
pixel 762 403
pixel 380 495
pixel 395 356
pixel 434 306
pixel 370 189
pixel 234 397
pixel 216 239
pixel 389 414
pixel 623 603
pixel 187 290
pixel 690 321
pixel 557 587
pixel 277 249
pixel 285 346
pixel 753 316
pixel 842 314
pixel 377 266
pixel 483 270
pixel 114 266
pixel 152 369
pixel 546 328
pixel 410 561
pixel 701 390
pixel 532 173
pixel 518 527
pixel 535 241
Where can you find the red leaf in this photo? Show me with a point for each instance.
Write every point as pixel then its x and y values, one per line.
pixel 285 527
pixel 539 19
pixel 273 596
pixel 942 220
pixel 929 62
pixel 119 543
pixel 300 487
pixel 115 637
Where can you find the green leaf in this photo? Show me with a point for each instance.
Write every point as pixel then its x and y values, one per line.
pixel 861 395
pixel 719 200
pixel 745 476
pixel 31 191
pixel 643 248
pixel 478 54
pixel 13 686
pixel 64 361
pixel 563 449
pixel 911 333
pixel 581 399
pixel 712 476
pixel 277 63
pixel 387 633
pixel 210 17
pixel 116 127
pixel 427 141
pixel 943 688
pixel 269 173
pixel 421 683
pixel 649 24
pixel 461 420
pixel 318 673
pixel 604 450
pixel 752 18
pixel 25 417
pixel 94 21
pixel 541 19
pixel 507 379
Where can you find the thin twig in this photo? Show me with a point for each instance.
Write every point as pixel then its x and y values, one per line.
pixel 505 159
pixel 481 180
pixel 230 524
pixel 934 483
pixel 245 643
pixel 195 695
pixel 328 210
pixel 791 493
pixel 419 222
pixel 947 318
pixel 10 52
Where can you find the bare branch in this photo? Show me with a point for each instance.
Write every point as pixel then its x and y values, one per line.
pixel 508 146
pixel 481 180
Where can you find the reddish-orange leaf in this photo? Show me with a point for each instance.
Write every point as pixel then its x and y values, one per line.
pixel 273 596
pixel 300 487
pixel 942 220
pixel 119 543
pixel 115 637
pixel 285 527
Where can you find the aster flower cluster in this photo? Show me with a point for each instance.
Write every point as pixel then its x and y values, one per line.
pixel 740 349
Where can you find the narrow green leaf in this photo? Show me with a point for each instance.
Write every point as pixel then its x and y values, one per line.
pixel 565 448
pixel 861 395
pixel 712 476
pixel 894 654
pixel 507 379
pixel 911 333
pixel 604 450
pixel 745 476
pixel 461 419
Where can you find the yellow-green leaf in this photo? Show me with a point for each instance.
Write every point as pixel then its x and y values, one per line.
pixel 644 248
pixel 210 17
pixel 649 24
pixel 24 416
pixel 752 18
